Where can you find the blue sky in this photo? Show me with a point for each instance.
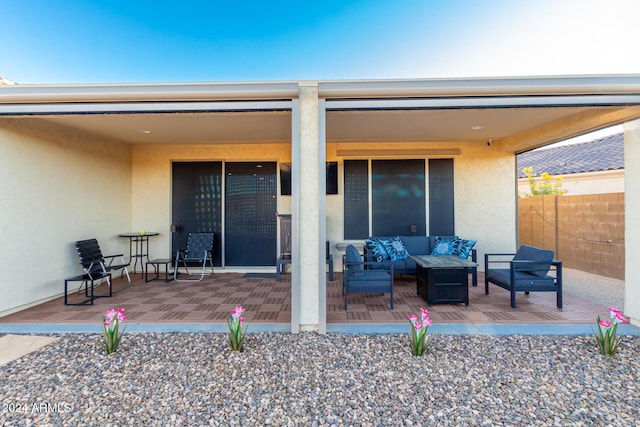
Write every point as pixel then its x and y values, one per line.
pixel 118 41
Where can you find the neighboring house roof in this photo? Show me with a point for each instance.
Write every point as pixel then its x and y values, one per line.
pixel 601 154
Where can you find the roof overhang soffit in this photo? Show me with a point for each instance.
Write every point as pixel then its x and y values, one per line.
pixel 593 112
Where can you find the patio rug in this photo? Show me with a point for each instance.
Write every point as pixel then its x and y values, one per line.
pixel 259 276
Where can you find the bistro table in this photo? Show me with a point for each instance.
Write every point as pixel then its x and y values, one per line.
pixel 141 242
pixel 442 279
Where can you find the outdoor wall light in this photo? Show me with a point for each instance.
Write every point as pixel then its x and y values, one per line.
pixel 477 127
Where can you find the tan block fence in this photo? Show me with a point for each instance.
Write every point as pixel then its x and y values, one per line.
pixel 586 232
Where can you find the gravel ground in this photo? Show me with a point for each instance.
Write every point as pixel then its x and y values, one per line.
pixel 310 379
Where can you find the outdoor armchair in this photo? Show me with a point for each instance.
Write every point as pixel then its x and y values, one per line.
pixel 357 278
pixel 529 270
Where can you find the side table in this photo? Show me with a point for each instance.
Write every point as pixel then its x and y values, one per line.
pixel 156 263
pixel 141 242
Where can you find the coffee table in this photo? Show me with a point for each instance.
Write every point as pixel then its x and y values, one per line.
pixel 443 279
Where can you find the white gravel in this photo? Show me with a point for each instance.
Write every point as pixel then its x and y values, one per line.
pixel 158 379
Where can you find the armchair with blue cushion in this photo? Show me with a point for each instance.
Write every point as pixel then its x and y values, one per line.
pixel 529 270
pixel 358 278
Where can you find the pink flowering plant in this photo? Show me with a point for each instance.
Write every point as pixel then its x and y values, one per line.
pixel 237 329
pixel 111 332
pixel 606 336
pixel 418 336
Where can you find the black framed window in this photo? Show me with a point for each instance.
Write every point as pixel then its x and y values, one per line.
pixel 441 198
pixel 331 178
pixel 398 197
pixel 285 179
pixel 356 199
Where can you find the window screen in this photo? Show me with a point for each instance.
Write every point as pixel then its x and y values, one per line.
pixel 356 199
pixel 398 197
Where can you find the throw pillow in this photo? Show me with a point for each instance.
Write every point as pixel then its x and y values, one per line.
pixel 444 247
pixel 376 249
pixel 396 249
pixel 464 247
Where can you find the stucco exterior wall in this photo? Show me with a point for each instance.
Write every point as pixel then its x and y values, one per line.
pixel 56 186
pixel 632 221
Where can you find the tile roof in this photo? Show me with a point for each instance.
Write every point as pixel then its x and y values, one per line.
pixel 598 155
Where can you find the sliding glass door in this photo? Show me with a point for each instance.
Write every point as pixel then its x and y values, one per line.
pixel 250 213
pixel 197 203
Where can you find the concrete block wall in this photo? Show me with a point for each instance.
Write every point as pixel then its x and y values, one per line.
pixel 585 231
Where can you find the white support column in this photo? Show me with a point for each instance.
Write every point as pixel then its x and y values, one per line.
pixel 309 208
pixel 322 216
pixel 295 216
pixel 632 220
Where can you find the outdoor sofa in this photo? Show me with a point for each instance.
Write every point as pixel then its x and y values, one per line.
pixel 418 245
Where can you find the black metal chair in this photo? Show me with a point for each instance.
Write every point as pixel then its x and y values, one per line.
pixel 357 277
pixel 97 266
pixel 199 251
pixel 329 261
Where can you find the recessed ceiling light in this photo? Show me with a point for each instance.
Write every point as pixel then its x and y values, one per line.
pixel 477 127
pixel 144 131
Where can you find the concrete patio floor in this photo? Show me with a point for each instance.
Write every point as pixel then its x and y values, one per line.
pixel 205 306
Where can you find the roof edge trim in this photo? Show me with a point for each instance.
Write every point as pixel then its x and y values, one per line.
pixel 506 86
pixel 28 94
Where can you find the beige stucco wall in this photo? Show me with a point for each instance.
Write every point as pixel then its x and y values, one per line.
pixel 632 220
pixel 56 186
pixel 486 199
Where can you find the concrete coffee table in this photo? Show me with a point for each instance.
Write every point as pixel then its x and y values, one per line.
pixel 443 279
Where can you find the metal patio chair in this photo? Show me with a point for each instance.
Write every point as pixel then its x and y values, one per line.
pixel 96 265
pixel 199 251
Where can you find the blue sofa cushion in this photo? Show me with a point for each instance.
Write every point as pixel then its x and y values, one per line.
pixel 396 249
pixel 523 279
pixel 464 247
pixel 353 256
pixel 530 253
pixel 445 246
pixel 376 248
pixel 416 245
pixel 372 276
